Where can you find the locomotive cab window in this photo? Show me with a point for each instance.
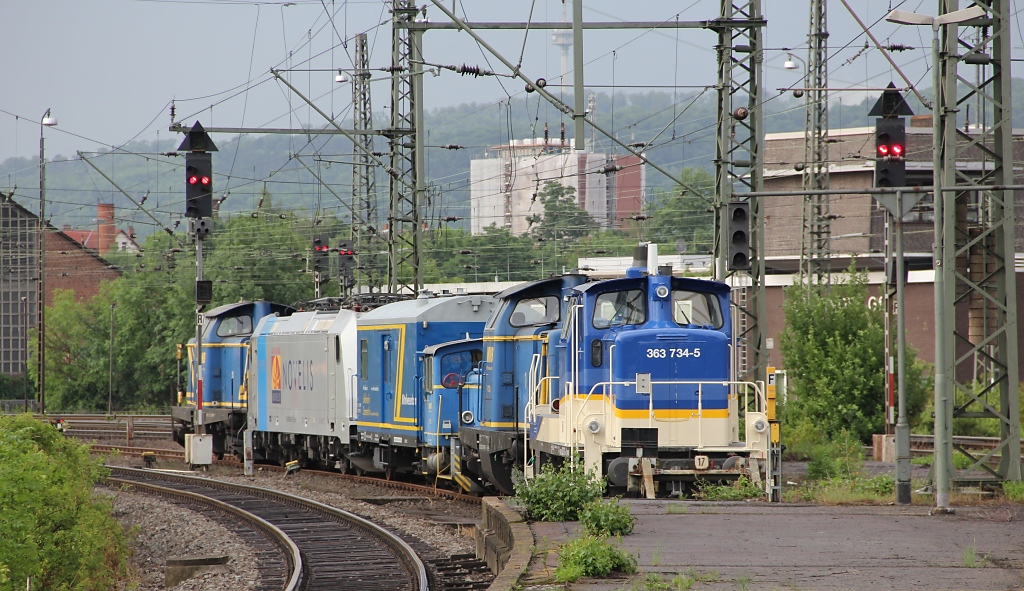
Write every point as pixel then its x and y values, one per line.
pixel 235 326
pixel 460 363
pixel 690 307
pixel 618 308
pixel 533 311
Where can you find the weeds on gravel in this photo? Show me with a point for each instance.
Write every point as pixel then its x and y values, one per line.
pixel 742 583
pixel 607 518
pixel 677 509
pixel 682 582
pixel 591 556
pixel 971 559
pixel 740 490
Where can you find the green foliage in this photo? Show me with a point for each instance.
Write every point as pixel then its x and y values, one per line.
pixel 840 458
pixel 607 518
pixel 14 388
pixel 1014 491
pixel 591 556
pixel 559 494
pixel 684 215
pixel 740 490
pixel 563 219
pixel 833 346
pixel 54 530
pixel 883 485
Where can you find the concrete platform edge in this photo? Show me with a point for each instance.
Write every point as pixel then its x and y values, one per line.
pixel 505 542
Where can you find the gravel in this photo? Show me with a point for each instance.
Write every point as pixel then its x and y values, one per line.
pixel 166 530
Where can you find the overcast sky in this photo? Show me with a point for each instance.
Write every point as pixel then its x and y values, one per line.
pixel 109 69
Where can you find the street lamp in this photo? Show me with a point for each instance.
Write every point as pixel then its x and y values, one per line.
pixel 24 362
pixel 789 64
pixel 943 449
pixel 110 391
pixel 46 121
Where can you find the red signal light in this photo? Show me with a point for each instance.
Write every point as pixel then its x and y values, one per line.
pixel 883 150
pixel 204 180
pixel 896 150
pixel 193 179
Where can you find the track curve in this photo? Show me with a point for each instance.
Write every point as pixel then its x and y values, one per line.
pixel 338 550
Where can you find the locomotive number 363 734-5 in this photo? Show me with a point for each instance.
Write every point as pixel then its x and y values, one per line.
pixel 673 353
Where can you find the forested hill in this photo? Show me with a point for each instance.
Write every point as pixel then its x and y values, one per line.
pixel 283 170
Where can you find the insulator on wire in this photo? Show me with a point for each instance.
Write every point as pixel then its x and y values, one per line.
pixel 899 47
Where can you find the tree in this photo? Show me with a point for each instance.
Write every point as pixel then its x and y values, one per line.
pixel 833 346
pixel 684 215
pixel 562 217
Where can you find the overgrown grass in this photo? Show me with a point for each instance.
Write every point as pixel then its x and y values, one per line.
pixel 853 490
pixel 1014 491
pixel 740 490
pixel 591 556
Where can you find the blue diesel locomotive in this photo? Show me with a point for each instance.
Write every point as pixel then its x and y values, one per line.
pixel 632 377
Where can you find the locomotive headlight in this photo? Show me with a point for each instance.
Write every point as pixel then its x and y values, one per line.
pixel 594 427
pixel 467 416
pixel 661 291
pixel 760 425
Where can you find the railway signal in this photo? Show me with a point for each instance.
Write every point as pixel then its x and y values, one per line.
pixel 346 261
pixel 739 236
pixel 198 172
pixel 890 152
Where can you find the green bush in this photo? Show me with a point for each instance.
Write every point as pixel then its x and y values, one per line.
pixel 840 458
pixel 881 485
pixel 607 518
pixel 740 490
pixel 1014 491
pixel 55 531
pixel 559 494
pixel 591 556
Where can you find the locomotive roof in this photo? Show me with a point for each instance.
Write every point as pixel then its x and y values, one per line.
pixel 686 283
pixel 308 322
pixel 431 309
pixel 539 285
pixel 221 310
pixel 430 350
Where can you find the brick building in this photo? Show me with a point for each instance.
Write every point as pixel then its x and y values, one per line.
pixel 858 228
pixel 69 265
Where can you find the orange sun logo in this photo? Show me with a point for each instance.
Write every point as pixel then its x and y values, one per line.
pixel 275 372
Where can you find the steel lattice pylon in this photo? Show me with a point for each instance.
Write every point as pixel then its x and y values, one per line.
pixel 739 170
pixel 976 364
pixel 365 222
pixel 816 235
pixel 406 167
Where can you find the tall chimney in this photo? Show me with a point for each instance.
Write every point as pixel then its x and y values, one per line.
pixel 105 220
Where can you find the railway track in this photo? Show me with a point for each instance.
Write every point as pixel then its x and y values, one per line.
pixel 125 427
pixel 923 444
pixel 333 549
pixel 179 455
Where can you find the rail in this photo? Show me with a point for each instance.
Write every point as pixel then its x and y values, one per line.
pixel 289 549
pixel 316 543
pixel 116 426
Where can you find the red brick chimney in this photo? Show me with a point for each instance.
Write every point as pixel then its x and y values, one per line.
pixel 105 220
